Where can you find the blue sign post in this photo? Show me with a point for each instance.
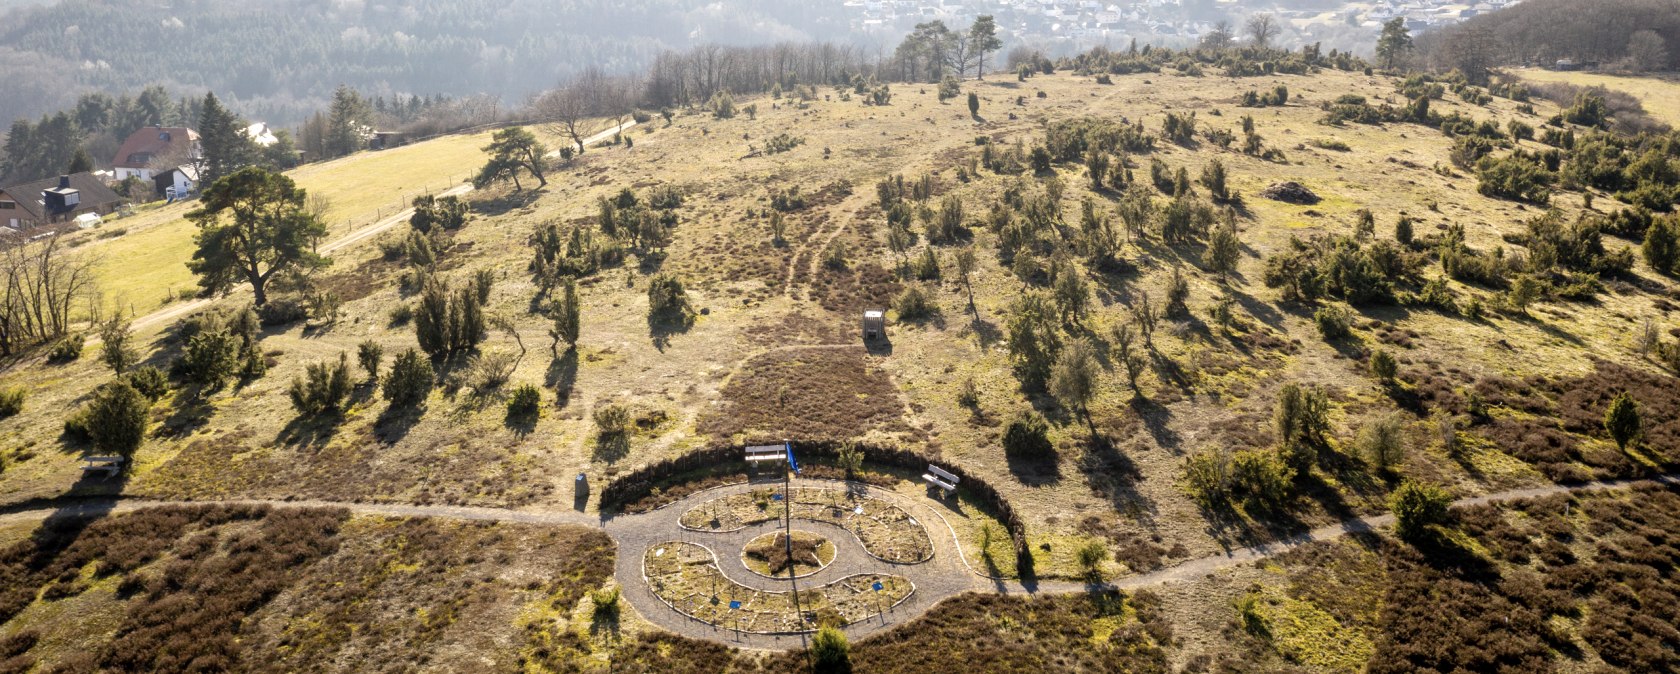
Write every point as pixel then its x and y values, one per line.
pixel 735 605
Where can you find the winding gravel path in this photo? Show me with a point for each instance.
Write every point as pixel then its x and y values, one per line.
pixel 936 579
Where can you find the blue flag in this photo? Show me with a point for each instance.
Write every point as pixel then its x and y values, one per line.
pixel 792 464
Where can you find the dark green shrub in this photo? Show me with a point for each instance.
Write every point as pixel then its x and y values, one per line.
pixel 401 314
pixel 1383 366
pixel 1263 478
pixel 66 350
pixel 449 322
pixel 1662 245
pixel 149 381
pixel 926 266
pixel 1302 420
pixel 1382 442
pixel 830 652
pixel 524 403
pixel 606 605
pixel 1334 322
pixel 1621 420
pixel 368 354
pixel 949 88
pixel 114 349
pixel 1027 436
pixel 11 401
pixel 115 419
pixel 668 300
pixel 914 304
pixel 1208 475
pixel 431 212
pixel 834 257
pixel 323 388
pixel 410 380
pixel 211 357
pixel 1416 508
pixel 1515 178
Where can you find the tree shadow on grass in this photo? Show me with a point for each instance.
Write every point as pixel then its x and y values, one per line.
pixel 1352 473
pixel 1156 420
pixel 521 424
pixel 1261 311
pixel 986 331
pixel 505 203
pixel 880 347
pixel 101 482
pixel 662 326
pixel 610 447
pixel 1313 486
pixel 1035 471
pixel 1115 476
pixel 396 421
pixel 1264 527
pixel 1450 549
pixel 312 431
pixel 190 411
pixel 562 377
pixel 1170 372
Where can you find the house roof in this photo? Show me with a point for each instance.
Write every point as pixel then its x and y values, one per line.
pixel 151 142
pixel 260 134
pixel 93 190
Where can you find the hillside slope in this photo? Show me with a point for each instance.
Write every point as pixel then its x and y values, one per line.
pixel 1511 324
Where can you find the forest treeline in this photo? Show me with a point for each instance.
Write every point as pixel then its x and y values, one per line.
pixel 278 61
pixel 1636 35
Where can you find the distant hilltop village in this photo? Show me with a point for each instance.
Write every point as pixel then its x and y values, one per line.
pixel 1082 23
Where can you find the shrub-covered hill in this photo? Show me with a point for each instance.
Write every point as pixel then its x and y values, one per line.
pixel 1094 304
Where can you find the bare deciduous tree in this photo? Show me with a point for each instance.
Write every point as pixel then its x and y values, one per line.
pixel 1262 28
pixel 42 285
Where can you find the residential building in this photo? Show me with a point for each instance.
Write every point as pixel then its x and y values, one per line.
pixel 156 148
pixel 261 135
pixel 53 200
pixel 178 182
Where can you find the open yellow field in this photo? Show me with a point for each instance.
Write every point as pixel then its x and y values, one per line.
pixel 144 268
pixel 1660 95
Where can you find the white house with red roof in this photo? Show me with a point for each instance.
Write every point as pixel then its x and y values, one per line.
pixel 155 149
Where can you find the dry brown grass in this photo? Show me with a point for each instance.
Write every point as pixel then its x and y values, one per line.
pixel 257 589
pixel 815 393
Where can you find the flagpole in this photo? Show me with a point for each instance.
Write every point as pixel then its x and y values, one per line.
pixel 787 526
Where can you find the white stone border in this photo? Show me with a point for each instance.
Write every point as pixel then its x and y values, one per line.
pixel 716 565
pixel 931 549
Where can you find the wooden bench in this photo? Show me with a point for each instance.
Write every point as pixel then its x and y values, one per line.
pixel 941 478
pixel 110 465
pixel 767 453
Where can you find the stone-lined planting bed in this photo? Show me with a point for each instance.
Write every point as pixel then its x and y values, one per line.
pixel 686 577
pixel 885 530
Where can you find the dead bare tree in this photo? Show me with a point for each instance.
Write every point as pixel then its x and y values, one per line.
pixel 42 285
pixel 564 111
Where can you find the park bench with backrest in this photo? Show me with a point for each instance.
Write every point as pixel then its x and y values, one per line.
pixel 941 478
pixel 109 465
pixel 767 453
